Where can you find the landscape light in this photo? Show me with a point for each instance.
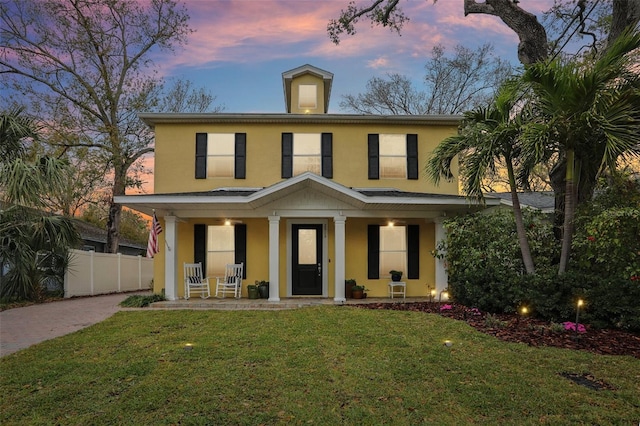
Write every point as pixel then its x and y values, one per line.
pixel 580 303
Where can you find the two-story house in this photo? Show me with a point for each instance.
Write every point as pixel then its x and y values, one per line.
pixel 306 199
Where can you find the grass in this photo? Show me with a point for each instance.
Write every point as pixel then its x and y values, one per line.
pixel 321 365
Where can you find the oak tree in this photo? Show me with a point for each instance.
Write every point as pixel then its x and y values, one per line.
pixel 85 67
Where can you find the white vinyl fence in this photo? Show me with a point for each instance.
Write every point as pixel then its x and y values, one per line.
pixel 92 273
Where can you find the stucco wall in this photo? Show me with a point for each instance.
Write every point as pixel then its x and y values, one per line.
pixel 175 155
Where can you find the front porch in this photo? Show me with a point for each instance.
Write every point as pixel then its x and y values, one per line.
pixel 212 303
pixel 303 230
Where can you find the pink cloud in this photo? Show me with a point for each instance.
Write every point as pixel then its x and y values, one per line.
pixel 379 62
pixel 253 31
pixel 248 31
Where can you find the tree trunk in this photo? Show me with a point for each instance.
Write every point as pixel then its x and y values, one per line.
pixel 533 46
pixel 557 176
pixel 115 211
pixel 569 212
pixel 527 259
pixel 626 13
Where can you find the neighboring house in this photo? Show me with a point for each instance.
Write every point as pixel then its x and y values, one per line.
pixel 543 201
pixel 95 239
pixel 305 199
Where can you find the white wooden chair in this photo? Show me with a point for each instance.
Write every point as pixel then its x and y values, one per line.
pixel 195 282
pixel 231 282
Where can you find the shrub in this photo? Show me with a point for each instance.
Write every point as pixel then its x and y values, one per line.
pixel 141 301
pixel 607 244
pixel 614 302
pixel 486 288
pixel 553 297
pixel 484 260
pixel 486 271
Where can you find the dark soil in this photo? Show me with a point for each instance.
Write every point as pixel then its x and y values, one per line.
pixel 533 332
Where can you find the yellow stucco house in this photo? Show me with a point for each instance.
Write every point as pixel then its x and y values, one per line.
pixel 306 199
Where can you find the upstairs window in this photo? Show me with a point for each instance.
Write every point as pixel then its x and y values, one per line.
pixel 306 153
pixel 220 155
pixel 393 156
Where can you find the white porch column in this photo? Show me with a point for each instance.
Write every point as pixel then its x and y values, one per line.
pixel 339 261
pixel 170 257
pixel 442 277
pixel 274 258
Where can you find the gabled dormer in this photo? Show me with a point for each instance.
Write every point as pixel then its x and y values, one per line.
pixel 307 90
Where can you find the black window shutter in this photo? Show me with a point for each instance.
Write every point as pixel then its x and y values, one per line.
pixel 374 156
pixel 327 155
pixel 413 252
pixel 200 246
pixel 412 156
pixel 373 252
pixel 241 156
pixel 240 237
pixel 287 155
pixel 201 155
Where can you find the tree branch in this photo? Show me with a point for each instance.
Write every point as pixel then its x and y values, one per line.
pixel 533 45
pixel 388 15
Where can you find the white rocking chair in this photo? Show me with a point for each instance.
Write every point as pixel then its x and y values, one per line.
pixel 231 282
pixel 195 282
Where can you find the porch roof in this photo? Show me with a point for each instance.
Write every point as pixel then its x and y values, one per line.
pixel 258 202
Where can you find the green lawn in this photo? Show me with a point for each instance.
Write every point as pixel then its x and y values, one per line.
pixel 325 365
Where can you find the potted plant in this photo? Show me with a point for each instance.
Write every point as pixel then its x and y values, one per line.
pixel 263 289
pixel 357 291
pixel 253 291
pixel 395 275
pixel 348 287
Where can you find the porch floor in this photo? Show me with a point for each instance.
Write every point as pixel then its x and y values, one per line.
pixel 263 304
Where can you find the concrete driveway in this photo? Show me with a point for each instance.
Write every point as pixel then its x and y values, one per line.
pixel 23 327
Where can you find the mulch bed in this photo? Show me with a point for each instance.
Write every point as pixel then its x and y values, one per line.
pixel 531 331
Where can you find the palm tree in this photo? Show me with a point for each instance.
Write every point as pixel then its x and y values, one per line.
pixel 33 245
pixel 488 136
pixel 14 126
pixel 587 114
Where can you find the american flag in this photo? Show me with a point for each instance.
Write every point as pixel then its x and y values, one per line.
pixel 156 229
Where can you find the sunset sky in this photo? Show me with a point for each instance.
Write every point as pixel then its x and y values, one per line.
pixel 241 47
